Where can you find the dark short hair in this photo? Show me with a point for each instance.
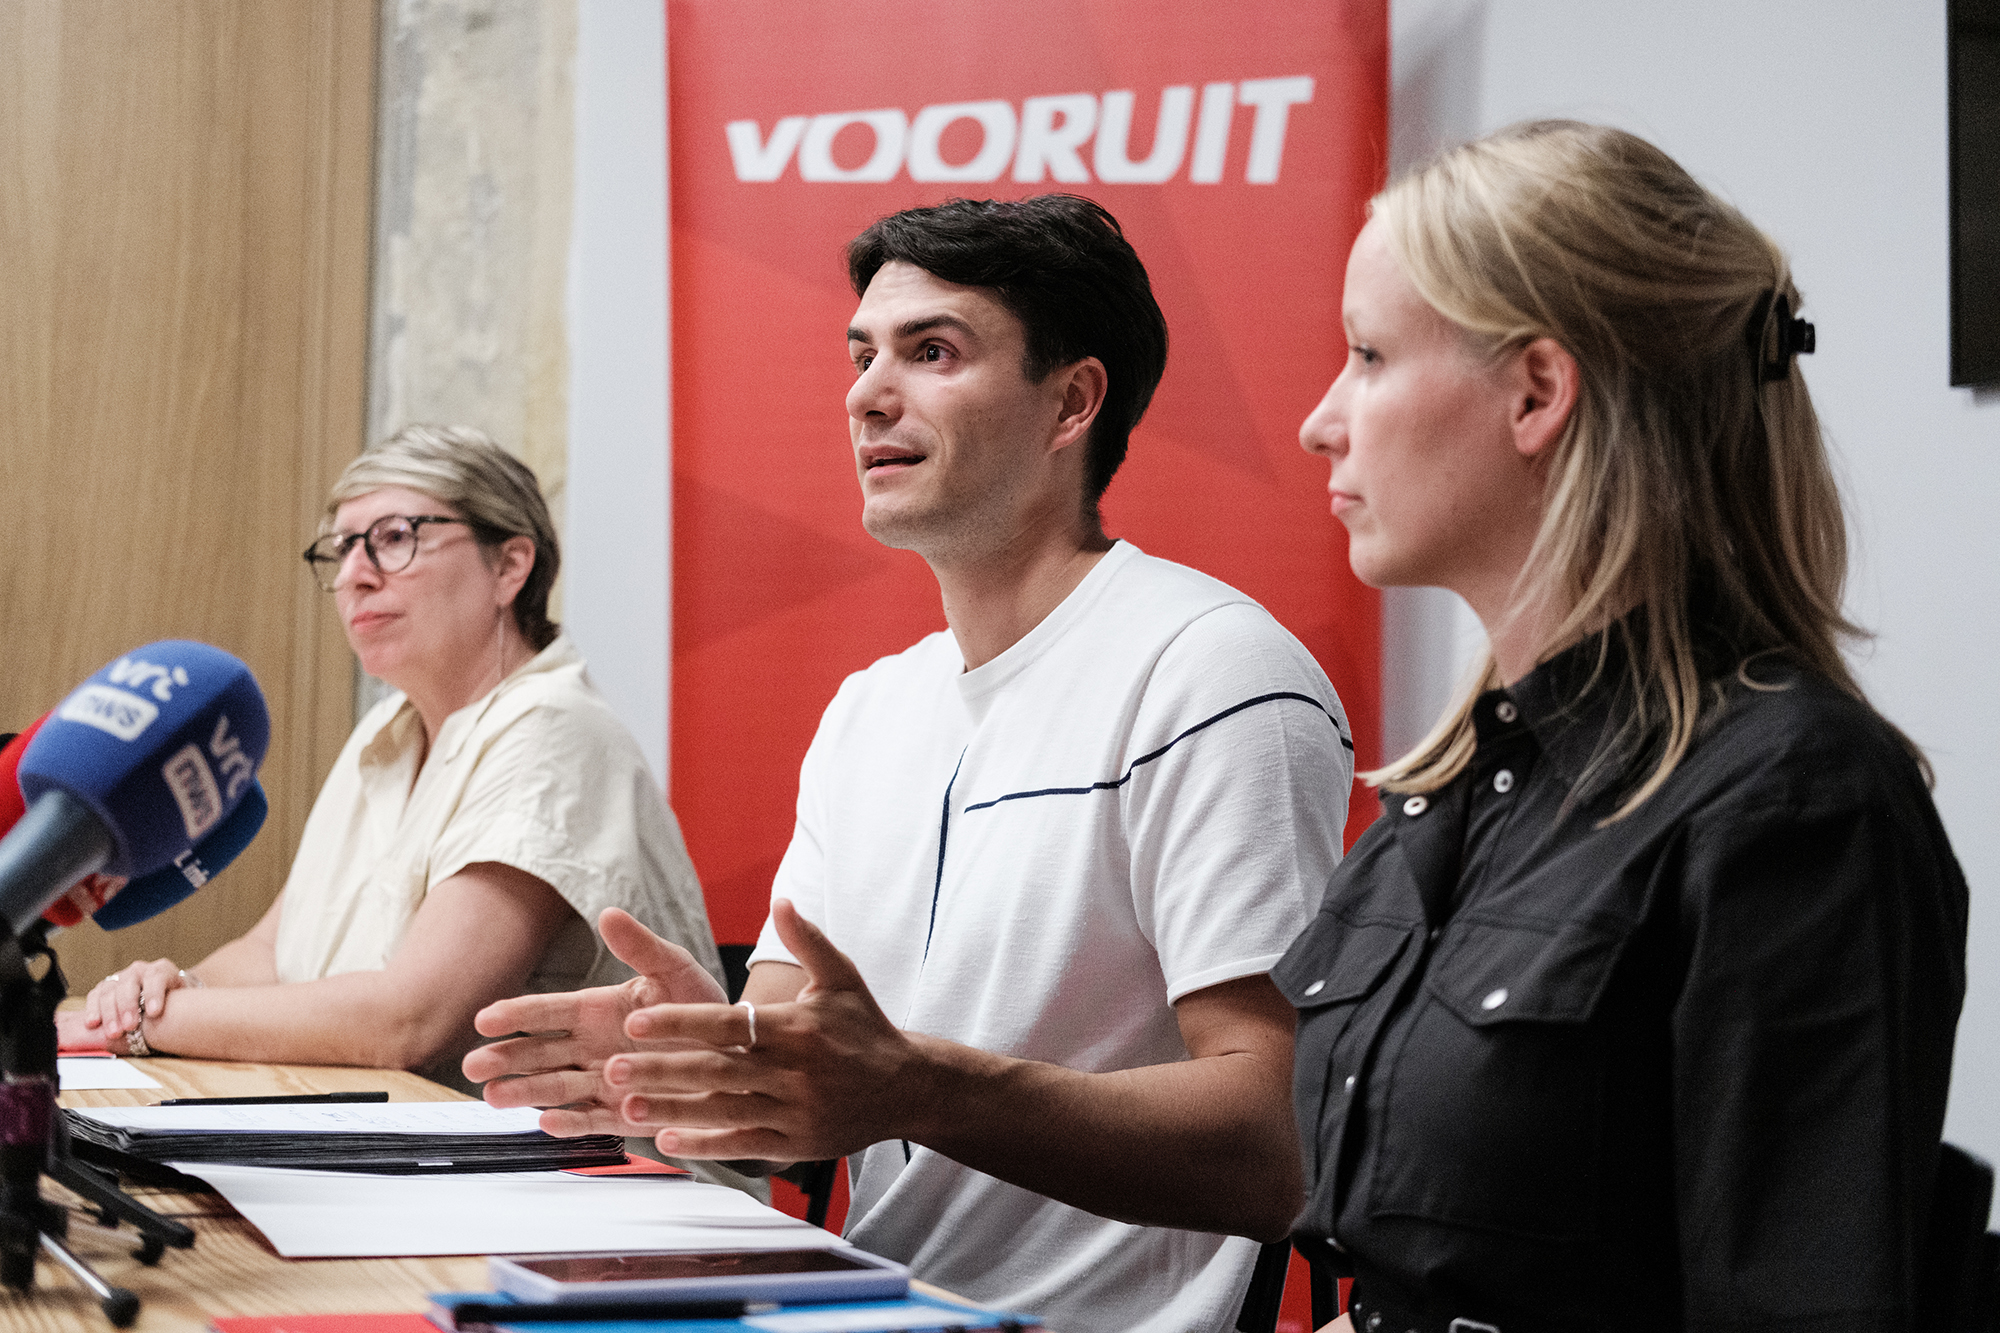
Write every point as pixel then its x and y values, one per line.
pixel 1062 265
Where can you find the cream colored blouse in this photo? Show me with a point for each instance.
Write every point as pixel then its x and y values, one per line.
pixel 538 775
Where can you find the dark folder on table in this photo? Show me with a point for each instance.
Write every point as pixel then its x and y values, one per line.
pixel 378 1139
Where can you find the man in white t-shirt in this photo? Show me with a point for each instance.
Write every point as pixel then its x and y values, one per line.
pixel 1014 969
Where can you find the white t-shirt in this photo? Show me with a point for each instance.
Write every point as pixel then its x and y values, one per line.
pixel 537 774
pixel 1141 798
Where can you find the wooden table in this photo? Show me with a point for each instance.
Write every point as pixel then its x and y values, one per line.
pixel 231 1269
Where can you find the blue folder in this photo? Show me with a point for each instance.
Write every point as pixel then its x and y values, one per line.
pixel 933 1316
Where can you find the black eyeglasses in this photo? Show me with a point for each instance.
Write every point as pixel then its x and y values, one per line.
pixel 391 544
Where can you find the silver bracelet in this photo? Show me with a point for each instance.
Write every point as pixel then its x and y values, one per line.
pixel 135 1040
pixel 190 979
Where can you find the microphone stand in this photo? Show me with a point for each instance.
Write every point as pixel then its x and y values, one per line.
pixel 34 1141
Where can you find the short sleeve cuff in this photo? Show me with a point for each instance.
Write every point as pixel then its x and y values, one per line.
pixel 583 887
pixel 1255 966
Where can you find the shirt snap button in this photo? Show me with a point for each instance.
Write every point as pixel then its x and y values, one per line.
pixel 1349 1085
pixel 1503 781
pixel 1416 805
pixel 1494 999
pixel 1374 1321
pixel 1506 711
pixel 1316 988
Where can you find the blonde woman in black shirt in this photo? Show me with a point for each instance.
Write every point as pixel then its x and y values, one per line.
pixel 1635 1009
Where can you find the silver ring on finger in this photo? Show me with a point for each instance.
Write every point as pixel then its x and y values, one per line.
pixel 749 1012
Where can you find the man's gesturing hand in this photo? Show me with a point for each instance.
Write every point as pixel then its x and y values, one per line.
pixel 829 1073
pixel 560 1064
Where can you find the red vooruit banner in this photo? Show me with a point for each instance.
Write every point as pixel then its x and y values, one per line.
pixel 1236 144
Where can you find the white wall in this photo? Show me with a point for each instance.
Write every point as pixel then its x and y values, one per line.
pixel 1824 120
pixel 616 583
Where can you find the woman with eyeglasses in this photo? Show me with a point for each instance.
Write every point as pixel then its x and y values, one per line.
pixel 1634 1010
pixel 474 826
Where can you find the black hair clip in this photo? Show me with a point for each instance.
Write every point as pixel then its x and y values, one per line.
pixel 1795 337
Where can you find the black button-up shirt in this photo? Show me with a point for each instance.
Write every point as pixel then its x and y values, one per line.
pixel 1683 1070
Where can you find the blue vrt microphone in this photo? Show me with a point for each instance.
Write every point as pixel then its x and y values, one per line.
pixel 149 895
pixel 136 766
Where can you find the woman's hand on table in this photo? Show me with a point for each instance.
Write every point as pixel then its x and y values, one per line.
pixel 73 1035
pixel 114 1005
pixel 559 1063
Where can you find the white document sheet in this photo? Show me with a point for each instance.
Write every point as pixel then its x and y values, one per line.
pixel 78 1073
pixel 330 1214
pixel 327 1118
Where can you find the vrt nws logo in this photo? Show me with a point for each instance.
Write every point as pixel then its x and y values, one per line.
pixel 1043 139
pixel 139 674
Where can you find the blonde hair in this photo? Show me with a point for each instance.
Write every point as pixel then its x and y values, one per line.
pixel 490 488
pixel 1691 483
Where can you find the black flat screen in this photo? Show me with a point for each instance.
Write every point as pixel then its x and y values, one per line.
pixel 1975 192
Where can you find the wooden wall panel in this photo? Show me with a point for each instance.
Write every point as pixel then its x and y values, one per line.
pixel 184 215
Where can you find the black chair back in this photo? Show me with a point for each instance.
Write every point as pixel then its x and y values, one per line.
pixel 1267 1289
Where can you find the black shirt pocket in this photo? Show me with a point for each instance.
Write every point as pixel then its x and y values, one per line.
pixel 1493 1112
pixel 1337 962
pixel 1329 973
pixel 1332 968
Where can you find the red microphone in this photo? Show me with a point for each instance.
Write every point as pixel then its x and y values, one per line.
pixel 89 893
pixel 12 806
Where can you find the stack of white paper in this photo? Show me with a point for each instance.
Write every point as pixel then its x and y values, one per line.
pixel 322 1118
pixel 328 1214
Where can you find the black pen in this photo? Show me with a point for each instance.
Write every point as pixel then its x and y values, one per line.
pixel 474 1313
pixel 294 1099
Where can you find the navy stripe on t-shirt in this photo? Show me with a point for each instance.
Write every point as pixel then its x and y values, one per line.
pixel 1114 784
